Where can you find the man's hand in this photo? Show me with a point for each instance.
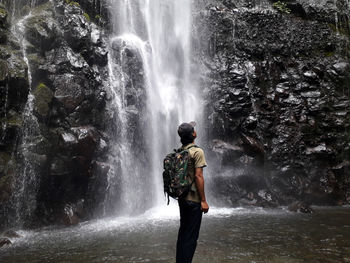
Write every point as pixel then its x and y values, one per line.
pixel 205 207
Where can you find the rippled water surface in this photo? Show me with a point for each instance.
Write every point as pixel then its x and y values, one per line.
pixel 227 235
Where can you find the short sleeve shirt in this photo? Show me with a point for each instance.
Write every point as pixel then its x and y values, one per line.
pixel 197 160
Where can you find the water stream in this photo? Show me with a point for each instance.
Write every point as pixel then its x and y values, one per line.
pixel 26 183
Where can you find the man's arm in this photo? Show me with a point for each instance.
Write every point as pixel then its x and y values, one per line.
pixel 199 180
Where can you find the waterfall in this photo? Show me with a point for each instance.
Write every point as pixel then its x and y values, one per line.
pixel 26 182
pixel 150 75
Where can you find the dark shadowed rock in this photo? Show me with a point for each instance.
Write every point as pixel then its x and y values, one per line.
pixel 228 152
pixel 69 218
pixel 88 139
pixel 5 241
pixel 68 91
pixel 300 207
pixel 11 234
pixel 41 28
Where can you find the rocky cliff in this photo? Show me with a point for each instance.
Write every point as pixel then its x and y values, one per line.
pixel 65 52
pixel 277 92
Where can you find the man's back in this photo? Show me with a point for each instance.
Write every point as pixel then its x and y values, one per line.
pixel 197 160
pixel 194 204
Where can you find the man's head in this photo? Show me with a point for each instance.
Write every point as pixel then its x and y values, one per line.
pixel 187 133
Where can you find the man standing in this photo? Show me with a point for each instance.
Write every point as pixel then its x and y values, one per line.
pixel 194 204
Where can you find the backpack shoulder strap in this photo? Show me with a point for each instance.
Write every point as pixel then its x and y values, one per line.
pixel 192 146
pixel 182 149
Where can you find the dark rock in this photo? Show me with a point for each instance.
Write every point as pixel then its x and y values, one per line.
pixel 43 96
pixel 11 234
pixel 41 28
pixel 342 68
pixel 68 91
pixel 61 166
pixel 76 27
pixel 300 207
pixel 252 145
pixel 69 217
pixel 87 140
pixel 5 241
pixel 228 152
pixel 3 17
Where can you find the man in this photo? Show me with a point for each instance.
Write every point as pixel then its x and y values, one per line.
pixel 194 204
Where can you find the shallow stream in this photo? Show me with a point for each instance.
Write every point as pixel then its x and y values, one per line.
pixel 227 235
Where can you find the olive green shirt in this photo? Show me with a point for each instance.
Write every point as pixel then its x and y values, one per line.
pixel 197 160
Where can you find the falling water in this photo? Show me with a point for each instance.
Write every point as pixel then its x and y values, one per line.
pixel 4 125
pixel 157 35
pixel 26 182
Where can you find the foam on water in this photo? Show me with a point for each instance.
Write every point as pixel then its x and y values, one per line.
pixel 156 217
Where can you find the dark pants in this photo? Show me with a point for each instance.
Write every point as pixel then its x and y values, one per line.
pixel 190 223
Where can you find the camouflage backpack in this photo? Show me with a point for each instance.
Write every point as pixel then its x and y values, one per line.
pixel 177 182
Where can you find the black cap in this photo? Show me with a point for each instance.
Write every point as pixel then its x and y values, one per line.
pixel 186 129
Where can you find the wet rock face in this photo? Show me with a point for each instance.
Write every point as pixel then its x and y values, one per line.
pixel 71 109
pixel 277 90
pixel 67 56
pixel 14 90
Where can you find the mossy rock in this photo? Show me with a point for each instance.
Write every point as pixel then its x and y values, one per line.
pixel 43 96
pixel 14 120
pixel 87 17
pixel 3 35
pixel 3 17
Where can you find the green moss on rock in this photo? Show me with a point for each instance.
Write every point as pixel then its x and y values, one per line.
pixel 3 17
pixel 69 2
pixel 43 96
pixel 86 15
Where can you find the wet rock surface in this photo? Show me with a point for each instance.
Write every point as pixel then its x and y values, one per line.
pixel 67 56
pixel 278 90
pixel 5 242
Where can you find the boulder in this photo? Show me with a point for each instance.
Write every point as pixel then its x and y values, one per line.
pixel 300 207
pixel 5 241
pixel 73 213
pixel 69 90
pixel 40 27
pixel 88 139
pixel 11 234
pixel 228 152
pixel 43 96
pixel 3 17
pixel 76 27
pixel 69 218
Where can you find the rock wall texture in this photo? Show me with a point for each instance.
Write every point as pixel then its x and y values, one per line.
pixel 277 93
pixel 67 60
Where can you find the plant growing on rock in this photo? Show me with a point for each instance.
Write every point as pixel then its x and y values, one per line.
pixel 87 17
pixel 69 2
pixel 281 7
